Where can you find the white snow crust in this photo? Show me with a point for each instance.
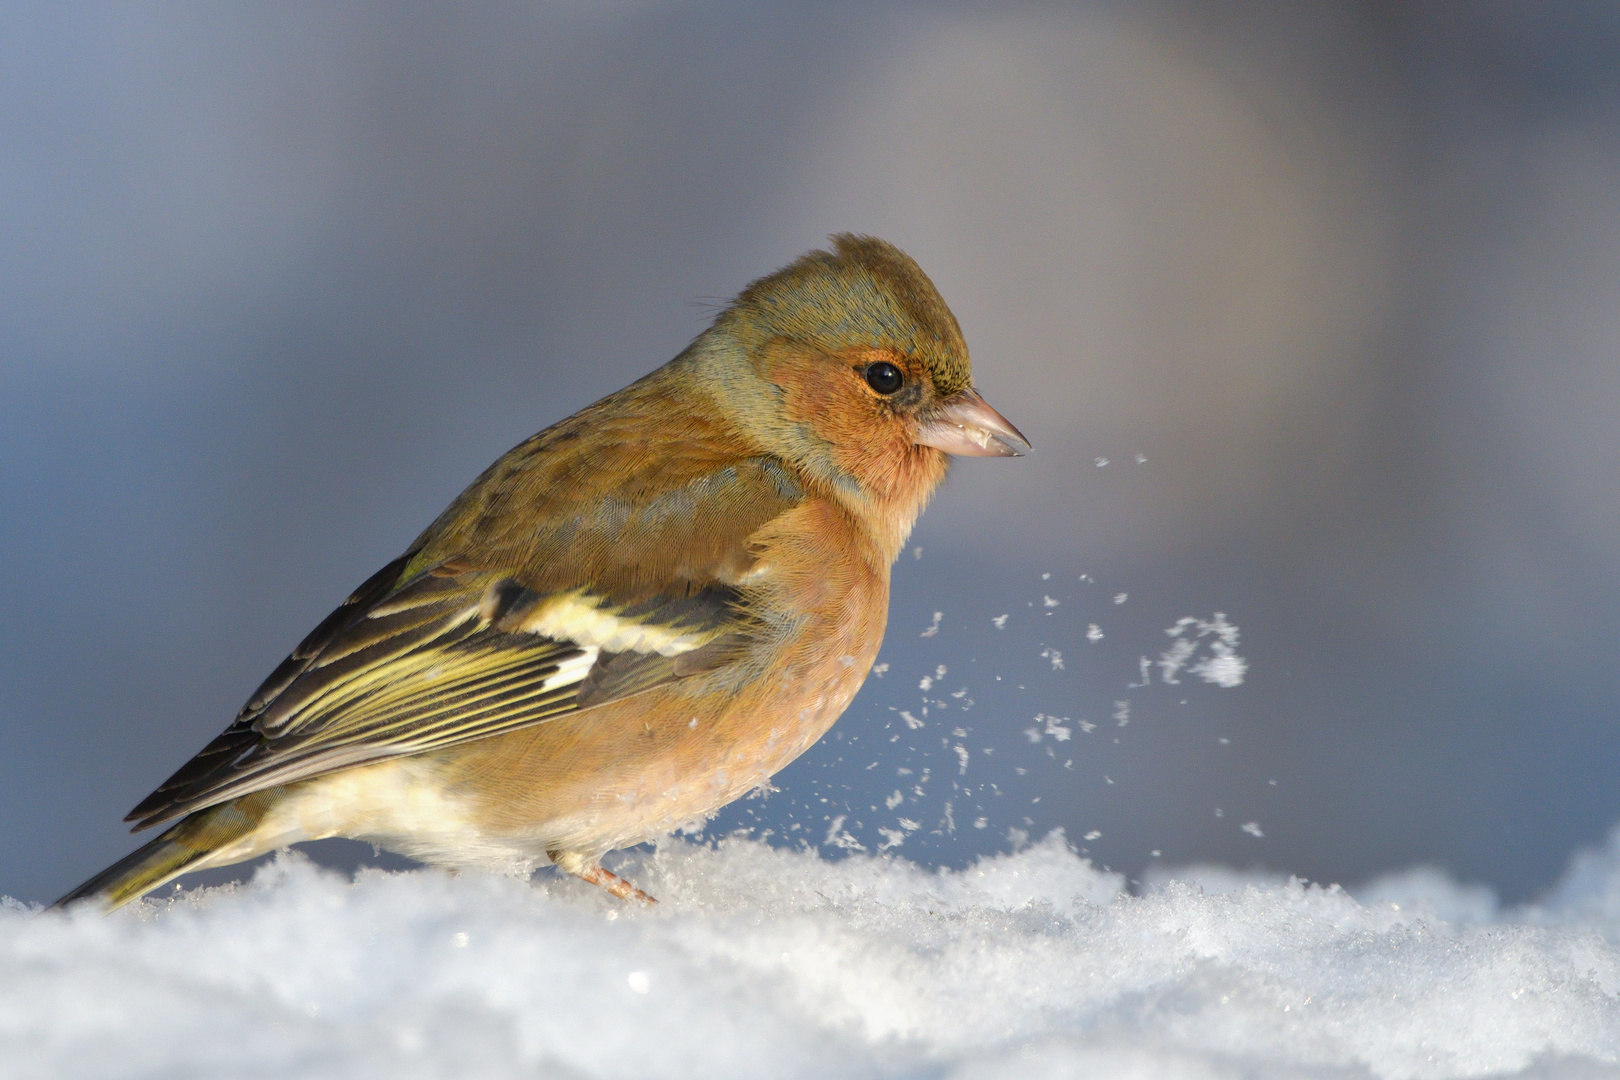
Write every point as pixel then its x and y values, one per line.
pixel 764 962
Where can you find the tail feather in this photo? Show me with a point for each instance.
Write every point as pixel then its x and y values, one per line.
pixel 185 846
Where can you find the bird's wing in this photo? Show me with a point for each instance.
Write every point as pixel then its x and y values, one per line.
pixel 501 636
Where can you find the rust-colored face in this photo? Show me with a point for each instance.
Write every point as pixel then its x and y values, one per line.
pixel 865 405
pixel 881 414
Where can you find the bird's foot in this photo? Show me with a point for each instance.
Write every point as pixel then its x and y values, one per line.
pixel 586 870
pixel 614 884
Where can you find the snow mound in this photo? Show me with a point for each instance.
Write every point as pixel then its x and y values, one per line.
pixel 763 962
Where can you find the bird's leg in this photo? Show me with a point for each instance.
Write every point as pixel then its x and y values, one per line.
pixel 614 884
pixel 570 862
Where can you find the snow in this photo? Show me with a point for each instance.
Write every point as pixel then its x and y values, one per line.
pixel 1223 666
pixel 766 962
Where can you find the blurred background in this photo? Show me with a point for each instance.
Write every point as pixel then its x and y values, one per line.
pixel 1311 311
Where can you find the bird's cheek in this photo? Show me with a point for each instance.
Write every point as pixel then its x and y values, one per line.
pixel 804 394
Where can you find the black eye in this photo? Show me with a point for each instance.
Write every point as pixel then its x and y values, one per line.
pixel 884 377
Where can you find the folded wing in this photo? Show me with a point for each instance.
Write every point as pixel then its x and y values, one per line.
pixel 424 657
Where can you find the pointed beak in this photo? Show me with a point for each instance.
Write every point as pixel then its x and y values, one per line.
pixel 966 425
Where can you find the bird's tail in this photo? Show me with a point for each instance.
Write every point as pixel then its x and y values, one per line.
pixel 187 845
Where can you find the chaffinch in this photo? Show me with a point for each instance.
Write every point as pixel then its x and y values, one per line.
pixel 629 620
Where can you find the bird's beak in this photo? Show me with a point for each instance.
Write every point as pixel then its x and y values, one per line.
pixel 965 424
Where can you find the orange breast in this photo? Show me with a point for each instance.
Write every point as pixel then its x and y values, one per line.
pixel 637 768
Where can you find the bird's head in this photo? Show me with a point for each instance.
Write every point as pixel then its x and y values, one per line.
pixel 849 363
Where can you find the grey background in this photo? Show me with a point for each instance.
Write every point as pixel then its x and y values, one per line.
pixel 276 283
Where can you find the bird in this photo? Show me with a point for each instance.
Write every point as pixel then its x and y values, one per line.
pixel 626 622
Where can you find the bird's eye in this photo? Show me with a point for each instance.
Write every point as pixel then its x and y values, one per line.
pixel 884 377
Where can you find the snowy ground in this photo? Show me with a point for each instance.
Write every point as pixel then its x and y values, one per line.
pixel 767 963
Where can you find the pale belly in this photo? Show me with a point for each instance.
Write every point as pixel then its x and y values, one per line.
pixel 401 805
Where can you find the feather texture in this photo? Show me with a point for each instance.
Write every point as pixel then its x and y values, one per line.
pixel 421 659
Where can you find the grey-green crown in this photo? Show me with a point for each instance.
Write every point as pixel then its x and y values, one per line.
pixel 865 292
